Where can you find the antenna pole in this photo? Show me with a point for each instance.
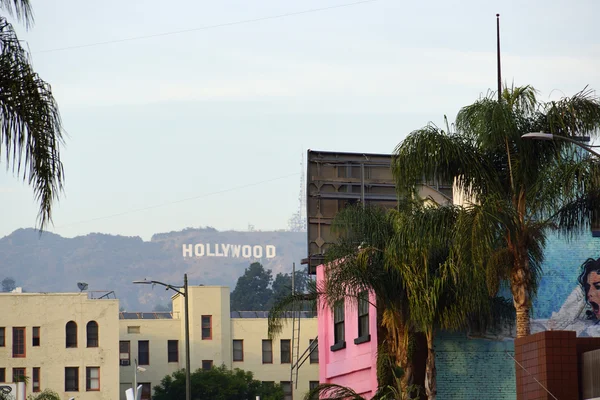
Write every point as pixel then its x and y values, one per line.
pixel 498 56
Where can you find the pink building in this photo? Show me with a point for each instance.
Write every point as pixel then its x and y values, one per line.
pixel 348 344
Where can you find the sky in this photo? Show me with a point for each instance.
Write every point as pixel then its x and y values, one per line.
pixel 208 127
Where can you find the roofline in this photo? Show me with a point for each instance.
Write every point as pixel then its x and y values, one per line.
pixel 346 153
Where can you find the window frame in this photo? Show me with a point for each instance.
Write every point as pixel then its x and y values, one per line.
pixel 35 334
pixel 288 353
pixel 69 336
pixel 89 339
pixel 76 379
pixel 36 377
pixel 172 355
pixel 2 374
pixel 287 395
pixel 208 362
pixel 22 342
pixel 202 327
pixel 339 325
pixel 269 351
pixel 88 379
pixel 140 361
pixel 18 369
pixel 146 389
pixel 2 336
pixel 314 354
pixel 128 351
pixel 363 306
pixel 233 350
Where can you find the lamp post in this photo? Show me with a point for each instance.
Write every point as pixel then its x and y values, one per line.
pixel 549 136
pixel 188 391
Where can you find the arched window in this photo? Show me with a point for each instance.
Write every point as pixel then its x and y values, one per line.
pixel 92 334
pixel 71 332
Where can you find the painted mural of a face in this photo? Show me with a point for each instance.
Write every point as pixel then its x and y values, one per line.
pixel 589 279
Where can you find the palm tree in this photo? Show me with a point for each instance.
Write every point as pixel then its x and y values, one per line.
pixel 30 124
pixel 518 190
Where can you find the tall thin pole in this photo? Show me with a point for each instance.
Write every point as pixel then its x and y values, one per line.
pixel 498 56
pixel 188 381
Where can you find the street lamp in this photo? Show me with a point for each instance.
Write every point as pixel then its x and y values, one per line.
pixel 188 390
pixel 549 136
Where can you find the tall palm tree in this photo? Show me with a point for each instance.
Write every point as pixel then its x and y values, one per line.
pixel 518 190
pixel 30 124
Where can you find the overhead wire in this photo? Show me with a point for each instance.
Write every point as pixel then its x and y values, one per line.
pixel 206 27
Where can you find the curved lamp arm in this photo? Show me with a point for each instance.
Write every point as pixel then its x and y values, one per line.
pixel 549 136
pixel 174 288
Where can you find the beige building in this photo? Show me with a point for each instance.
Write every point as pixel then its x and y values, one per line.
pixel 60 341
pixel 217 336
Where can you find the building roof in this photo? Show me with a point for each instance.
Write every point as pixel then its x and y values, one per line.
pixel 265 314
pixel 146 315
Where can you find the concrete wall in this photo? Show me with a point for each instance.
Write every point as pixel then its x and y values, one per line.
pixel 354 366
pixel 51 312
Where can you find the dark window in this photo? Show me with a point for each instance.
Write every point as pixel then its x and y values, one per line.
pixel 287 390
pixel 35 379
pixel 2 337
pixel 338 322
pixel 267 352
pixel 92 334
pixel 363 314
pixel 146 391
pixel 35 341
pixel 71 379
pixel 18 342
pixel 71 332
pixel 19 375
pixel 311 386
pixel 173 351
pixel 285 351
pixel 238 350
pixel 2 374
pixel 92 379
pixel 124 355
pixel 207 364
pixel 206 327
pixel 144 352
pixel 314 349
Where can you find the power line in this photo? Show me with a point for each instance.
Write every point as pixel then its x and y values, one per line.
pixel 178 201
pixel 201 28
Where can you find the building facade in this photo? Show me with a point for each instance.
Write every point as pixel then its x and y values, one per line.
pixel 217 337
pixel 65 342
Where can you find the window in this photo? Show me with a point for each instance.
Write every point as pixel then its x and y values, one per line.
pixel 18 375
pixel 35 381
pixel 92 378
pixel 207 364
pixel 71 379
pixel 363 318
pixel 173 351
pixel 285 351
pixel 311 386
pixel 71 333
pixel 124 355
pixel 287 390
pixel 206 327
pixel 338 326
pixel 267 352
pixel 3 374
pixel 238 350
pixel 35 341
pixel 146 391
pixel 2 337
pixel 92 334
pixel 144 352
pixel 314 351
pixel 18 342
pixel 133 329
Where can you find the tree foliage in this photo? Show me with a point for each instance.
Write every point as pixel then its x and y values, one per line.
pixel 218 383
pixel 252 291
pixel 31 129
pixel 8 284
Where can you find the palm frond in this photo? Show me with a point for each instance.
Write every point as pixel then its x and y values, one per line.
pixel 30 124
pixel 285 308
pixel 21 9
pixel 332 392
pixel 574 116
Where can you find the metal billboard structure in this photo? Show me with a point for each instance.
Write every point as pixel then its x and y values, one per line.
pixel 335 180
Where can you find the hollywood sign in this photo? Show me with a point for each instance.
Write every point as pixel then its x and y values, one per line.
pixel 228 250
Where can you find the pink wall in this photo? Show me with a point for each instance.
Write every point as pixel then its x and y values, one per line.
pixel 356 365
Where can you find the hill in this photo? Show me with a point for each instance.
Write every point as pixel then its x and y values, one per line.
pixel 52 263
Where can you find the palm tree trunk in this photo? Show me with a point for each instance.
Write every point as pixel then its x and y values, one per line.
pixel 518 286
pixel 430 370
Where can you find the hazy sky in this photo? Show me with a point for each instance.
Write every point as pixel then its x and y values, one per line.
pixel 164 119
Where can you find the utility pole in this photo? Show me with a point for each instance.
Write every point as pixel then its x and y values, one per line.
pixel 498 56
